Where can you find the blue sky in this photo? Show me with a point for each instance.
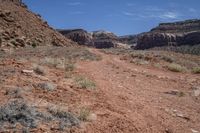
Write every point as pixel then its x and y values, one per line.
pixel 119 16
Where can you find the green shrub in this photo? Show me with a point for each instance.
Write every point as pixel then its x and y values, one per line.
pixel 175 67
pixel 196 70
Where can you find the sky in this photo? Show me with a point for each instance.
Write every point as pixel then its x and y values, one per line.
pixel 123 17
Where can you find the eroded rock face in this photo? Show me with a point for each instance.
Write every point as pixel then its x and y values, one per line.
pixel 171 34
pixel 98 39
pixel 80 36
pixel 104 39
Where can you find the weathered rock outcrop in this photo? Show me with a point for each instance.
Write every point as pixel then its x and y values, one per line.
pixel 19 27
pixel 104 39
pixel 171 34
pixel 98 39
pixel 80 36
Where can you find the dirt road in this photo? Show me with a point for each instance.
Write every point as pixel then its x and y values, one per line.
pixel 131 98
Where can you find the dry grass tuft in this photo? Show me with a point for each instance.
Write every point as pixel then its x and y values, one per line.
pixel 84 83
pixel 176 68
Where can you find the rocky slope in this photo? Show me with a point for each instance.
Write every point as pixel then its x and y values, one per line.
pixel 20 27
pixel 98 39
pixel 171 34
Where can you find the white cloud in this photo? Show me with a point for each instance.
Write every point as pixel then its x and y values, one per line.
pixel 160 15
pixel 74 3
pixel 169 15
pixel 128 13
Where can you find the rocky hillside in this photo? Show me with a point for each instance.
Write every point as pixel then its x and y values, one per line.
pixel 98 39
pixel 19 27
pixel 171 34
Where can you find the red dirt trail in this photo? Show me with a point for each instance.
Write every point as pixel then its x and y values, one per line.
pixel 132 98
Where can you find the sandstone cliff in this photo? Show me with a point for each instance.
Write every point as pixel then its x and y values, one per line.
pixel 171 34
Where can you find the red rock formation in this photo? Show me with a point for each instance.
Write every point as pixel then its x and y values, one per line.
pixel 98 39
pixel 171 34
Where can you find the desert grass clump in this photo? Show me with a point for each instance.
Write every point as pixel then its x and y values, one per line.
pixel 84 83
pixel 40 70
pixel 69 66
pixel 53 62
pixel 19 112
pixel 167 59
pixel 176 93
pixel 47 86
pixel 16 93
pixel 139 62
pixel 66 119
pixel 176 67
pixel 196 70
pixel 84 114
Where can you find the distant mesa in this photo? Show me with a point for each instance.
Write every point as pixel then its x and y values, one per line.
pixel 171 34
pixel 166 34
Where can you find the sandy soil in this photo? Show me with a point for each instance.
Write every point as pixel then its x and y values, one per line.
pixel 132 98
pixel 128 98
